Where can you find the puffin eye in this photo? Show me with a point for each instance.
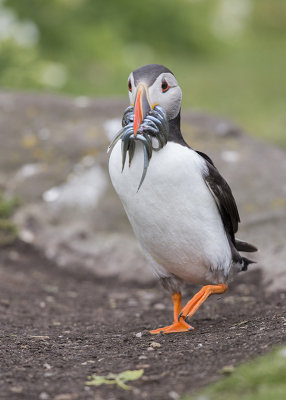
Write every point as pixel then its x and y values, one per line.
pixel 129 85
pixel 164 85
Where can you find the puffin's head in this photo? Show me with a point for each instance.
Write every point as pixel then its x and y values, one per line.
pixel 153 85
pixel 155 99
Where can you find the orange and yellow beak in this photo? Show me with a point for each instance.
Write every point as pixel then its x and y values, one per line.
pixel 141 106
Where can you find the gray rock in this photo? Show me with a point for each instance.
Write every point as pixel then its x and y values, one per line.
pixel 53 157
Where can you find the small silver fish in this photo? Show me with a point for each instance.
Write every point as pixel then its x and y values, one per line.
pixel 155 125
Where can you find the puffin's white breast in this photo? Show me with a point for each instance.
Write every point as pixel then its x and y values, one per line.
pixel 173 215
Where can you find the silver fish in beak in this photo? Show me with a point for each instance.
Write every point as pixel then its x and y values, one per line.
pixel 142 124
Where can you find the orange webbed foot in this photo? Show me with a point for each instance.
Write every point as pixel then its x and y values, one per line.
pixel 180 315
pixel 180 326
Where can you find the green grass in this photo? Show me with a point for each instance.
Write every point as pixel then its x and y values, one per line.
pixel 8 231
pixel 89 47
pixel 247 85
pixel 260 379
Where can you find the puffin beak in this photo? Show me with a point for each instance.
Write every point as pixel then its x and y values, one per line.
pixel 141 106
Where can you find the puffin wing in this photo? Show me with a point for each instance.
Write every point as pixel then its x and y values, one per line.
pixel 223 197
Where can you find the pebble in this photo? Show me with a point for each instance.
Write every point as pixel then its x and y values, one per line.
pixel 143 366
pixel 88 362
pixel 41 337
pixel 139 334
pixel 174 395
pixel 16 389
pixel 159 306
pixel 50 299
pixel 27 236
pixel 66 396
pixel 155 345
pixel 44 396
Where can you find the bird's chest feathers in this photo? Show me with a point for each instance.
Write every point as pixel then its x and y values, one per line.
pixel 173 177
pixel 172 197
pixel 173 214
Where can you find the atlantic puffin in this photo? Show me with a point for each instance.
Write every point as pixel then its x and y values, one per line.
pixel 181 209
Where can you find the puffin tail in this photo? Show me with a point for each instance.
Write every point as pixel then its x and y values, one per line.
pixel 240 245
pixel 245 263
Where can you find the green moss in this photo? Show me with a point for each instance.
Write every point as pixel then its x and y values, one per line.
pixel 8 231
pixel 7 207
pixel 260 379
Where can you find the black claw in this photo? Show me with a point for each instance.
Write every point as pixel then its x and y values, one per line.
pixel 187 318
pixel 179 316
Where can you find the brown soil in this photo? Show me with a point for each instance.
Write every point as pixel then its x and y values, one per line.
pixel 57 327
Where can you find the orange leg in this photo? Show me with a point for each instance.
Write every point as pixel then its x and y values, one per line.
pixel 192 306
pixel 179 325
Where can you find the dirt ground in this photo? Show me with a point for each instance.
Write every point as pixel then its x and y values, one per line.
pixel 57 327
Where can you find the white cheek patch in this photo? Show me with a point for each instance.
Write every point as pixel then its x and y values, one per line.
pixel 172 102
pixel 169 100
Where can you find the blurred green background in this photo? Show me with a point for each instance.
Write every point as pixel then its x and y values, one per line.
pixel 228 55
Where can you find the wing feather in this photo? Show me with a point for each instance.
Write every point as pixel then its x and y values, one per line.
pixel 223 197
